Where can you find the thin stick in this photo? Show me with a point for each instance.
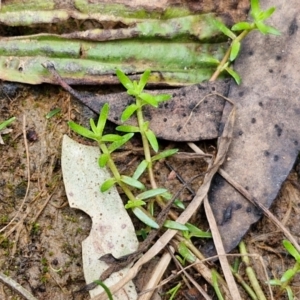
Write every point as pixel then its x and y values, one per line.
pixel 221 251
pixel 16 287
pixel 191 279
pixel 224 142
pixel 156 276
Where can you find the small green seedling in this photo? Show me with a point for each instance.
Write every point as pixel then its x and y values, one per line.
pixel 173 291
pixel 258 16
pixel 3 129
pixel 288 276
pixel 109 143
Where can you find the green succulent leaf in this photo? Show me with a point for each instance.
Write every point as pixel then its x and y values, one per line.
pixel 179 204
pixel 274 282
pixel 151 193
pixel 290 293
pixel 222 27
pixel 141 215
pixel 126 82
pixel 186 253
pixel 291 250
pixel 140 169
pixel 149 99
pixel 6 123
pixel 128 112
pixel 234 74
pixel 209 59
pixel 235 49
pixel 102 119
pixel 128 128
pixel 266 14
pixel 107 184
pixel 265 29
pixel 119 143
pixel 175 225
pixel 52 113
pixel 197 232
pixel 162 97
pixel 152 139
pixel 135 203
pixel 111 138
pixel 164 154
pixel 288 275
pixel 103 158
pixel 242 26
pixel 143 80
pixel 132 182
pixel 93 126
pixel 167 196
pixel 82 131
pixel 255 9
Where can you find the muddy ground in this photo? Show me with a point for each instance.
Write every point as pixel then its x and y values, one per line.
pixel 40 248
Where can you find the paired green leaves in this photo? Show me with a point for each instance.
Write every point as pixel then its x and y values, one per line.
pixel 133 88
pixel 259 16
pixel 116 141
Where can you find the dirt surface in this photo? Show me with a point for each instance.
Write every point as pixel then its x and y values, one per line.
pixel 41 249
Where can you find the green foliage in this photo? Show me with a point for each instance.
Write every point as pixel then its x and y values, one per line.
pixel 175 225
pixel 193 231
pixel 288 275
pixel 53 113
pixel 173 291
pixel 144 217
pixel 216 285
pixel 186 253
pixel 109 143
pixel 6 123
pixel 258 16
pixel 106 289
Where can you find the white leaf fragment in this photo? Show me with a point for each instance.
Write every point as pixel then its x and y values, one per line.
pixel 112 230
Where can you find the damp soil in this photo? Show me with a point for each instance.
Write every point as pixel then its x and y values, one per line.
pixel 41 248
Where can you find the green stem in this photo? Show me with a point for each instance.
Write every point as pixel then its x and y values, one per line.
pixel 147 154
pixel 116 174
pixel 250 273
pixel 227 54
pixel 145 142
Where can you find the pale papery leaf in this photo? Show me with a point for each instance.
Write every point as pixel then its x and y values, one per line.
pixel 82 177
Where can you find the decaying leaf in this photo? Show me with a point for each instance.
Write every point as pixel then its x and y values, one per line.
pixel 41 12
pixel 266 136
pixel 82 178
pixel 192 114
pixel 83 62
pixel 176 40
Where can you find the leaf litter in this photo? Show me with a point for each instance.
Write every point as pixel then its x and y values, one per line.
pixel 267 224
